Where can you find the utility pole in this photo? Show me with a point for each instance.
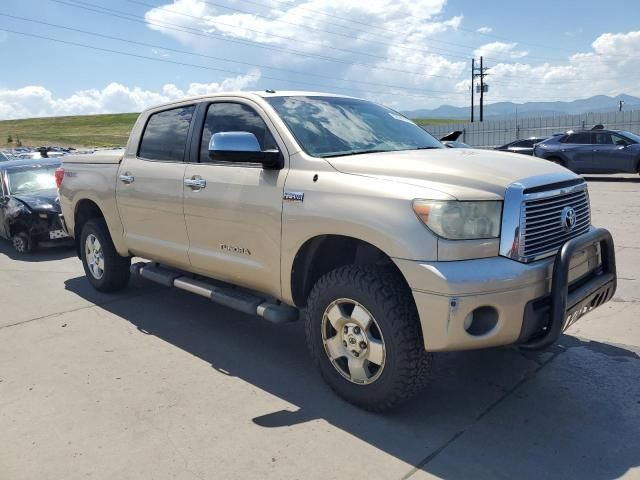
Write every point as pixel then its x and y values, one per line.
pixel 620 105
pixel 473 76
pixel 481 90
pixel 481 72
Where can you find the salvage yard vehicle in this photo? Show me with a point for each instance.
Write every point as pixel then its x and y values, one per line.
pixel 29 206
pixel 389 244
pixel 450 140
pixel 524 147
pixel 593 151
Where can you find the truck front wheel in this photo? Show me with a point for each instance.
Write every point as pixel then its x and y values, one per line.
pixel 106 270
pixel 363 333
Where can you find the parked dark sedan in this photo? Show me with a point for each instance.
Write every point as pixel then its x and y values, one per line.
pixel 521 146
pixel 593 151
pixel 29 206
pixel 451 140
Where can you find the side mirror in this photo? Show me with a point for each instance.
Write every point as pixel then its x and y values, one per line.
pixel 622 143
pixel 242 147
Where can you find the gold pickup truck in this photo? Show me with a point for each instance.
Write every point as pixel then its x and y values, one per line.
pixel 347 214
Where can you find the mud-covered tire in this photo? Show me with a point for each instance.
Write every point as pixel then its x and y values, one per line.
pixel 115 268
pixel 385 295
pixel 23 243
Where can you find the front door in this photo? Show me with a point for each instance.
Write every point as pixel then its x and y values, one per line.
pixel 234 212
pixel 612 154
pixel 149 189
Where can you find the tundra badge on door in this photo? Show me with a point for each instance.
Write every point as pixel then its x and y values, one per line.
pixel 293 196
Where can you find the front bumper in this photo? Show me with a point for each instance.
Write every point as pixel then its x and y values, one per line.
pixel 46 226
pixel 513 302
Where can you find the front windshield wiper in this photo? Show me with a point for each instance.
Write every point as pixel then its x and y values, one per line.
pixel 355 152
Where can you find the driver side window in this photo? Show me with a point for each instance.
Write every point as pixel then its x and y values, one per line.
pixel 233 117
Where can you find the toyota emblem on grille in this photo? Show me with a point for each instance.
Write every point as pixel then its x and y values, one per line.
pixel 568 218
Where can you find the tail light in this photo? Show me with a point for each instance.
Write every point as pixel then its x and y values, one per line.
pixel 59 176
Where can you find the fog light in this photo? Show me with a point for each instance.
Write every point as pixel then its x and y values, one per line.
pixel 481 321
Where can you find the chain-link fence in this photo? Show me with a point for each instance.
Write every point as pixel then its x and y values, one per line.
pixel 493 133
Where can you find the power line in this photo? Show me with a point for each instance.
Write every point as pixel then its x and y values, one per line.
pixel 192 31
pixel 204 67
pixel 273 35
pixel 169 49
pixel 442 52
pixel 446 54
pixel 467 47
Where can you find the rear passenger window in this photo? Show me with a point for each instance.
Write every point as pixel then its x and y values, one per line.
pixel 234 117
pixel 165 136
pixel 583 138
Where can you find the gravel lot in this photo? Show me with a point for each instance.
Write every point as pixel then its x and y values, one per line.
pixel 158 383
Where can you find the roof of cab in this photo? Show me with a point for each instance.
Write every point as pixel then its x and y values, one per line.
pixel 249 94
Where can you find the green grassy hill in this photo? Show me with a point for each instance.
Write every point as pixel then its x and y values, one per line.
pixel 74 131
pixel 435 121
pixel 89 130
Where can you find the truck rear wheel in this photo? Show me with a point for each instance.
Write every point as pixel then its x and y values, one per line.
pixel 364 335
pixel 106 270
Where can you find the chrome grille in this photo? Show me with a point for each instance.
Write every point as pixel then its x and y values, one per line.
pixel 542 232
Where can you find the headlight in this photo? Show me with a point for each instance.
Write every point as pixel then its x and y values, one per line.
pixel 457 220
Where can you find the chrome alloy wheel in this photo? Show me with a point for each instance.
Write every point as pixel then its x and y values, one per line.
pixel 95 256
pixel 353 341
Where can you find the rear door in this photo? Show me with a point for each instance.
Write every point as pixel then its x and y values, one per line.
pixel 234 221
pixel 150 188
pixel 578 150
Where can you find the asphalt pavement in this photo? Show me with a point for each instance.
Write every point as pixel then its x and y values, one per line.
pixel 153 383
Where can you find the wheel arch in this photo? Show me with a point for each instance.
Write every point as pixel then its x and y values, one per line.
pixel 323 253
pixel 85 210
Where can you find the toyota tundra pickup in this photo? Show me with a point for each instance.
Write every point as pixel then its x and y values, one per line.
pixel 345 214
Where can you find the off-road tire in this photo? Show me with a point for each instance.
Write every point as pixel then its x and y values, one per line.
pixel 116 268
pixel 23 243
pixel 388 298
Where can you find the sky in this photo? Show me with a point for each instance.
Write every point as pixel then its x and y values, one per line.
pixel 67 57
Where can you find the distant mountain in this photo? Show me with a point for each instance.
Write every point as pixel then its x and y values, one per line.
pixel 506 110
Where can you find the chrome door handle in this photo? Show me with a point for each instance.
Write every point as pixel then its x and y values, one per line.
pixel 195 183
pixel 127 178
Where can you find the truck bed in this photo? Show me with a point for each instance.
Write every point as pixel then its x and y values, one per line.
pixel 100 157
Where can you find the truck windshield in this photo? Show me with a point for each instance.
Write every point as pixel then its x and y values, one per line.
pixel 31 180
pixel 337 126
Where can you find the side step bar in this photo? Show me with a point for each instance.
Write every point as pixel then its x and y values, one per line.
pixel 236 299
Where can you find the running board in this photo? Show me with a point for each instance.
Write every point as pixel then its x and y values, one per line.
pixel 236 299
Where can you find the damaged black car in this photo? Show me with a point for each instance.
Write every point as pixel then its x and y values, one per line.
pixel 29 205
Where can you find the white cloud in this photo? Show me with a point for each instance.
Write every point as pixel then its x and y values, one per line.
pixel 390 43
pixel 611 68
pixel 37 101
pixel 392 36
pixel 500 50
